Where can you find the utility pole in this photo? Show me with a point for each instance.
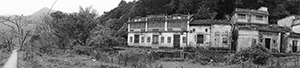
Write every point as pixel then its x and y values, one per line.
pixel 52 6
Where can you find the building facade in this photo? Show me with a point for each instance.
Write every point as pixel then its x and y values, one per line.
pixel 247 27
pixel 210 33
pixel 159 31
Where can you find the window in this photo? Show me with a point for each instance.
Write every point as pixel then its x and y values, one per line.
pixel 155 39
pixel 142 39
pixel 241 16
pixel 224 41
pixel 162 39
pixel 130 39
pixel 148 39
pixel 200 39
pixel 184 40
pixel 194 30
pixel 259 18
pixel 136 38
pixel 206 30
pixel 169 39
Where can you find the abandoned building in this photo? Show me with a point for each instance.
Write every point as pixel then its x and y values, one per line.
pixel 246 27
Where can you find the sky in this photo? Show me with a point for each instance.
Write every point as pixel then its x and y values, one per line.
pixel 27 7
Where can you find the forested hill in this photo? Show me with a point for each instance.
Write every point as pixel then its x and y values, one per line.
pixel 202 9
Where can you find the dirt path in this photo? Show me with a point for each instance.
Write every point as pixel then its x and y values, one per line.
pixel 12 60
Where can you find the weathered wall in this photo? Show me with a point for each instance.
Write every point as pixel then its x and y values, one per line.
pixel 254 20
pixel 290 42
pixel 275 40
pixel 247 38
pixel 221 35
pixel 286 21
pixel 203 30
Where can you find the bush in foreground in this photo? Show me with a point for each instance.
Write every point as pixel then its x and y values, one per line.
pixel 256 54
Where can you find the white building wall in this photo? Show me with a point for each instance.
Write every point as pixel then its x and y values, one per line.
pixel 254 20
pixel 286 21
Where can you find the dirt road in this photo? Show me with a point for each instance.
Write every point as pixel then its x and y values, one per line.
pixel 12 60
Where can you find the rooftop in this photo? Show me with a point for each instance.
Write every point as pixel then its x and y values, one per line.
pixel 251 11
pixel 294 35
pixel 266 28
pixel 209 22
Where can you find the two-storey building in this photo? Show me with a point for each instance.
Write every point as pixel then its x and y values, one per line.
pixel 253 28
pixel 159 31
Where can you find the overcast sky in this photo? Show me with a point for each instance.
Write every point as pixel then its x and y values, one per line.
pixel 27 7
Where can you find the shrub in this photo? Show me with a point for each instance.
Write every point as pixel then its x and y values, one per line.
pixel 257 54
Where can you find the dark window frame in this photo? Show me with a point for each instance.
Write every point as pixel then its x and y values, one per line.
pixel 162 39
pixel 200 41
pixel 169 39
pixel 242 16
pixel 136 39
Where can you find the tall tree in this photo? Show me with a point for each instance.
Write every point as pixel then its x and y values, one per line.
pixel 73 27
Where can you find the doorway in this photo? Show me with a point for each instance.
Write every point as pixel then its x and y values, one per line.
pixel 155 39
pixel 176 41
pixel 267 42
pixel 294 45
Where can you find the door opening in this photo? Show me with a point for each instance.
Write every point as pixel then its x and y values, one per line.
pixel 176 41
pixel 267 43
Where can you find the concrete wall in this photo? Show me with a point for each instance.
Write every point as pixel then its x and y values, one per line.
pixel 252 19
pixel 242 20
pixel 275 40
pixel 220 33
pixel 290 43
pixel 247 38
pixel 204 30
pixel 286 21
pixel 160 44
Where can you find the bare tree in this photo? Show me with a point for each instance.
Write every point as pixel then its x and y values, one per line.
pixel 16 27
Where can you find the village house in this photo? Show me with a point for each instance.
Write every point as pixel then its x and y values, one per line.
pixel 290 42
pixel 254 29
pixel 159 31
pixel 244 19
pixel 247 27
pixel 210 33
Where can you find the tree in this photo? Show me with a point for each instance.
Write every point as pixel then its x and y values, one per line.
pixel 17 28
pixel 73 28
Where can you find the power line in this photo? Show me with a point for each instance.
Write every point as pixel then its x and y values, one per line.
pixel 52 6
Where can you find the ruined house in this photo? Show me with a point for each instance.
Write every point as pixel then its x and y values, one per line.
pixel 159 31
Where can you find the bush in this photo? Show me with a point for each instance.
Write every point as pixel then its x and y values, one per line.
pixel 138 58
pixel 257 54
